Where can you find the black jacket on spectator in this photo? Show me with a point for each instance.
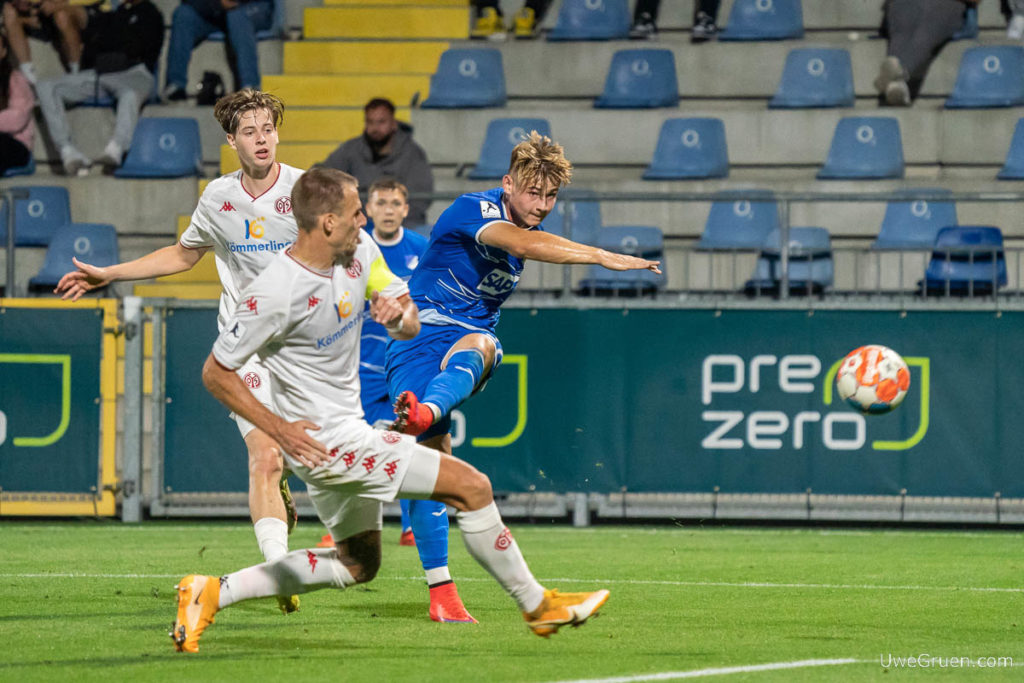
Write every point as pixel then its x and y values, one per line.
pixel 118 40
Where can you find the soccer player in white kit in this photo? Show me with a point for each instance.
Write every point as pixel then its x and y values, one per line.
pixel 302 318
pixel 246 218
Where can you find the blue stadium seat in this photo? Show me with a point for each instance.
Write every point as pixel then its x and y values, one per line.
pixel 740 221
pixel 811 269
pixel 586 216
pixel 27 169
pixel 589 20
pixel 764 20
pixel 502 135
pixel 37 218
pixel 815 77
pixel 865 147
pixel 969 29
pixel 914 223
pixel 94 243
pixel 467 78
pixel 989 76
pixel 275 31
pixel 966 260
pixel 163 148
pixel 636 240
pixel 1013 167
pixel 640 79
pixel 690 148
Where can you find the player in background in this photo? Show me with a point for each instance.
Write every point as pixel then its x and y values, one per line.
pixel 301 316
pixel 473 261
pixel 246 218
pixel 426 521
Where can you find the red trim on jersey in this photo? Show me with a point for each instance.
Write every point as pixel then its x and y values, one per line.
pixel 241 177
pixel 329 275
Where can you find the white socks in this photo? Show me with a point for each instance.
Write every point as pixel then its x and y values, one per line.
pixel 490 543
pixel 272 535
pixel 438 575
pixel 299 571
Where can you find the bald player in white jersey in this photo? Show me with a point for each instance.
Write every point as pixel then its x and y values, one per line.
pixel 302 317
pixel 246 218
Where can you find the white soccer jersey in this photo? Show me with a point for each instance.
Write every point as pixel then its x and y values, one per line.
pixel 304 326
pixel 244 231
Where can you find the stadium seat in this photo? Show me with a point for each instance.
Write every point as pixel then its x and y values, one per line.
pixel 589 20
pixel 914 223
pixel 37 218
pixel 502 135
pixel 690 148
pixel 27 169
pixel 739 221
pixel 966 260
pixel 989 76
pixel 163 148
pixel 810 263
pixel 94 243
pixel 640 79
pixel 764 20
pixel 815 77
pixel 969 29
pixel 636 240
pixel 586 216
pixel 467 78
pixel 864 147
pixel 1013 167
pixel 275 31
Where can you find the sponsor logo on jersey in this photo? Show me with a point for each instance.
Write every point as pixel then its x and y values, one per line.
pixel 370 462
pixel 411 261
pixel 344 307
pixel 354 270
pixel 313 301
pixel 391 468
pixel 390 437
pixel 254 228
pixel 252 380
pixel 489 209
pixel 283 205
pixel 226 206
pixel 504 540
pixel 498 283
pixel 324 342
pixel 250 303
pixel 312 561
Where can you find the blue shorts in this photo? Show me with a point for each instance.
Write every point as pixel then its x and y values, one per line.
pixel 411 365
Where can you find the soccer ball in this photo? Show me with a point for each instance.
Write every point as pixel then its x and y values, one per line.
pixel 873 379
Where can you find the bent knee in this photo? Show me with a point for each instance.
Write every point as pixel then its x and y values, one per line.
pixel 266 461
pixel 477 492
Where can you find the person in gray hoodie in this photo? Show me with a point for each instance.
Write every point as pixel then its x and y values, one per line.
pixel 386 148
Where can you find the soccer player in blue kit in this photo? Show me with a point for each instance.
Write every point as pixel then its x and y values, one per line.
pixel 476 253
pixel 387 205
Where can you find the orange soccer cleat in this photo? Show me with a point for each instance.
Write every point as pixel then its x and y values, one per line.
pixel 413 417
pixel 563 609
pixel 198 602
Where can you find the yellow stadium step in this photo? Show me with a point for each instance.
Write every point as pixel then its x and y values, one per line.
pixel 346 91
pixel 203 182
pixel 383 21
pixel 363 57
pixel 190 290
pixel 326 125
pixel 300 155
pixel 446 3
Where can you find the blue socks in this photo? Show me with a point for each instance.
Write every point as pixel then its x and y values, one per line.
pixel 456 382
pixel 430 527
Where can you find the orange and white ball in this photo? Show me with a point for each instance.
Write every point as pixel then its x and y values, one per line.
pixel 873 379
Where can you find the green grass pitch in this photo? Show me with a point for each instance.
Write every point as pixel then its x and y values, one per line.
pixel 93 601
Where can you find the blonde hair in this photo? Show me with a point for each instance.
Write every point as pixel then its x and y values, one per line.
pixel 538 158
pixel 229 109
pixel 319 190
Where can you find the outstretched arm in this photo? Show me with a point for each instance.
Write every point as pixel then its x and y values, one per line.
pixel 542 246
pixel 166 261
pixel 228 388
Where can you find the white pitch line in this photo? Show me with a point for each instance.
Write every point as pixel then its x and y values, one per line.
pixel 720 671
pixel 563 579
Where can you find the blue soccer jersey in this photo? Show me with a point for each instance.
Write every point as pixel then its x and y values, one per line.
pixel 402 256
pixel 461 281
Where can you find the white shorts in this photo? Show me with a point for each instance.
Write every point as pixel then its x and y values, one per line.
pixel 368 467
pixel 257 378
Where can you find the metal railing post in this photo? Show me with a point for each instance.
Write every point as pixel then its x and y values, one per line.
pixel 131 455
pixel 9 196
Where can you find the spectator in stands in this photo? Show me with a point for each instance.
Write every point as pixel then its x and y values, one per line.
pixel 490 22
pixel 17 129
pixel 119 59
pixel 916 31
pixel 386 148
pixel 645 20
pixel 52 21
pixel 1013 10
pixel 194 20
